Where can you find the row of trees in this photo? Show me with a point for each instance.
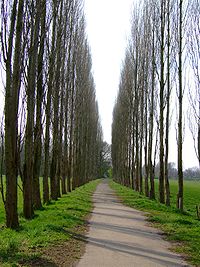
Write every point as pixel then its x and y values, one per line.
pixel 164 44
pixel 192 173
pixel 52 124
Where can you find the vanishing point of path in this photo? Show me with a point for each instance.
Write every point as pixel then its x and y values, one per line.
pixel 119 236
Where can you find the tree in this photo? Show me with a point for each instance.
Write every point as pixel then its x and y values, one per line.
pixel 180 114
pixel 54 179
pixel 162 86
pixel 193 48
pixel 12 49
pixel 105 159
pixel 48 105
pixel 192 173
pixel 31 91
pixel 152 108
pixel 39 105
pixel 168 94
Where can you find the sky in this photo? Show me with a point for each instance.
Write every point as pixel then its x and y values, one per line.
pixel 108 27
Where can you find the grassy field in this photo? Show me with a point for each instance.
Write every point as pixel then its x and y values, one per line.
pixel 48 227
pixel 182 228
pixel 191 195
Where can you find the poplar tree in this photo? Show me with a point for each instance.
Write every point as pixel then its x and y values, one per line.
pixel 12 54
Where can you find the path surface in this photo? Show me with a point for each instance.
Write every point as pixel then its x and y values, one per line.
pixel 119 237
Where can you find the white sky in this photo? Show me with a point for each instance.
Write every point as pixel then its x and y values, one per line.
pixel 108 25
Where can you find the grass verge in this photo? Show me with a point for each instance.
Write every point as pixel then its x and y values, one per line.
pixel 184 229
pixel 49 227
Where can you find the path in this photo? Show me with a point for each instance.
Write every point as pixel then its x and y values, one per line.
pixel 119 237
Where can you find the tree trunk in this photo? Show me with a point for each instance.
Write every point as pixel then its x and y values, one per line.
pixel 141 138
pixel 161 120
pixel 38 127
pixel 167 188
pixel 180 100
pixel 136 186
pixel 70 166
pixel 151 116
pixel 198 138
pixel 29 142
pixel 48 112
pixel 54 179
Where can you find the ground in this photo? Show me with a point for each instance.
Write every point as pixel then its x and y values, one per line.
pixel 113 235
pixel 120 236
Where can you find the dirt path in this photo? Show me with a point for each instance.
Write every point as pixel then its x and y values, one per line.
pixel 119 237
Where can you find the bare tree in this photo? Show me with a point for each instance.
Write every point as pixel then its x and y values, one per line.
pixel 152 108
pixel 162 87
pixel 12 48
pixel 39 102
pixel 29 136
pixel 168 93
pixel 48 112
pixel 180 103
pixel 193 48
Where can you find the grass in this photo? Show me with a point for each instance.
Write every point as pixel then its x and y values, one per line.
pixel 191 195
pixel 182 228
pixel 48 227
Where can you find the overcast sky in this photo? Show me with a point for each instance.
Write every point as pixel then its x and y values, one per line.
pixel 108 26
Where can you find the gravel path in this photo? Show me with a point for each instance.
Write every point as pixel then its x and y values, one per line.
pixel 120 237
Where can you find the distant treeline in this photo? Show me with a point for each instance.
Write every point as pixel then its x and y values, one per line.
pixel 188 174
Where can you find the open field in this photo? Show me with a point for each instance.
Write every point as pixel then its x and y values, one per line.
pixel 49 226
pixel 191 195
pixel 184 228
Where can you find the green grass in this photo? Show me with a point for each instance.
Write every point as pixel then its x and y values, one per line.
pixel 191 195
pixel 20 199
pixel 48 227
pixel 184 228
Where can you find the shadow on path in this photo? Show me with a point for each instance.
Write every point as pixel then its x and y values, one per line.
pixel 118 216
pixel 134 250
